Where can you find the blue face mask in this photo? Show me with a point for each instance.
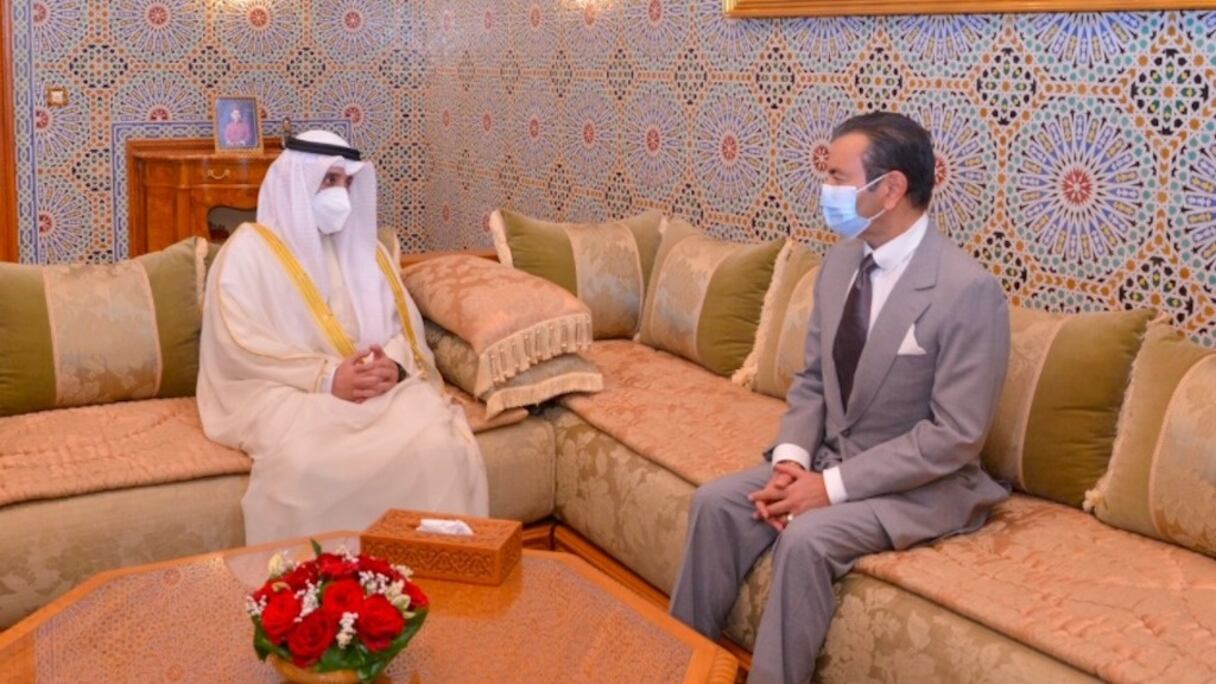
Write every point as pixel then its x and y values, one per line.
pixel 839 203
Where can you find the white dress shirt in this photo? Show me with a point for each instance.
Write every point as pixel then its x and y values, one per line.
pixel 891 260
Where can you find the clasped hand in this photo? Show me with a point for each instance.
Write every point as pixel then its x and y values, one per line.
pixel 365 375
pixel 791 491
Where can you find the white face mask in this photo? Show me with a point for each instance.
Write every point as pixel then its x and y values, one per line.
pixel 331 207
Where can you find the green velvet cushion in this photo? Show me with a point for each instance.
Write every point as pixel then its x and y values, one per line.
pixel 705 296
pixel 606 265
pixel 83 334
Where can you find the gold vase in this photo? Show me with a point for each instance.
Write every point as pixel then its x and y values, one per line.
pixel 297 675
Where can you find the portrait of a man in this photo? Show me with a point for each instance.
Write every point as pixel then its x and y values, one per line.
pixel 236 124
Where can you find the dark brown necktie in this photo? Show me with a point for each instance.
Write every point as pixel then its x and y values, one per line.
pixel 854 326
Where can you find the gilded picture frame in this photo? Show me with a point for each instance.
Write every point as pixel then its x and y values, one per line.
pixel 237 124
pixel 743 9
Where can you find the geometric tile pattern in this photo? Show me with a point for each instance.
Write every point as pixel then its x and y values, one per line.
pixel 1076 153
pixel 150 68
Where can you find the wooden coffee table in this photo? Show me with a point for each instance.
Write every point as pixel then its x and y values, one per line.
pixel 555 619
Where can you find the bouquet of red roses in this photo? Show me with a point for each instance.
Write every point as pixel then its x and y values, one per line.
pixel 338 612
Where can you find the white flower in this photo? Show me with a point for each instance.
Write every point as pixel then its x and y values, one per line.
pixel 374 583
pixel 346 554
pixel 404 571
pixel 346 629
pixel 396 595
pixel 309 601
pixel 280 564
pixel 255 608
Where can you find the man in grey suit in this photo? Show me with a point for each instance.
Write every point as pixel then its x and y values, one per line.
pixel 879 448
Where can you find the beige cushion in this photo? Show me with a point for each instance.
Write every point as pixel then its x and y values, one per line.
pixel 606 264
pixel 1113 604
pixel 1162 476
pixel 1055 423
pixel 705 296
pixel 81 334
pixel 97 448
pixel 457 362
pixel 780 350
pixel 684 418
pixel 637 511
pixel 511 319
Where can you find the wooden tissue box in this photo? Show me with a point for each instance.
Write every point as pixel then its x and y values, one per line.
pixel 486 557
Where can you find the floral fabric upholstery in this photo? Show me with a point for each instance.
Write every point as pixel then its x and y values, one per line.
pixel 627 505
pixel 882 633
pixel 675 413
pixel 97 448
pixel 638 512
pixel 1122 607
pixel 512 320
pixel 101 531
pixel 96 530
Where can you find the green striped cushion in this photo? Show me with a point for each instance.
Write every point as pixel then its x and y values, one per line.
pixel 705 296
pixel 606 265
pixel 80 335
pixel 780 351
pixel 1055 424
pixel 1162 477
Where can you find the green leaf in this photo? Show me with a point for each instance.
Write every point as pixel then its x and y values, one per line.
pixel 350 658
pixel 316 548
pixel 378 662
pixel 264 646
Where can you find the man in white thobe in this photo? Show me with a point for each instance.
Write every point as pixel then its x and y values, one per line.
pixel 313 361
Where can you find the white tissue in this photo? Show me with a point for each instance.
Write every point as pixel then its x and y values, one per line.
pixel 454 527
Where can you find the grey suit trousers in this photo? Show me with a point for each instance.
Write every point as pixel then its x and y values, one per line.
pixel 818 547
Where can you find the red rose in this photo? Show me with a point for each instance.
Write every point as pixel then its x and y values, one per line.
pixel 311 639
pixel 280 615
pixel 418 599
pixel 300 577
pixel 265 592
pixel 343 596
pixel 378 566
pixel 379 623
pixel 335 567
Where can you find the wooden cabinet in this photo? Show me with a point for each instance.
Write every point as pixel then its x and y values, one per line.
pixel 175 183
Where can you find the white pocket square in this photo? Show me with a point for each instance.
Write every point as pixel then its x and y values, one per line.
pixel 909 347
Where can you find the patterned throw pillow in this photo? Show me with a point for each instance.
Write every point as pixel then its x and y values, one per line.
pixel 607 265
pixel 80 335
pixel 457 362
pixel 1055 423
pixel 512 320
pixel 705 296
pixel 780 350
pixel 1162 476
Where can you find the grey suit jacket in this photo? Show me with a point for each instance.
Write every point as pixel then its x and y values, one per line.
pixel 909 443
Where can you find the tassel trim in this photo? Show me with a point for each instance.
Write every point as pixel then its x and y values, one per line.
pixel 498 232
pixel 531 395
pixel 517 353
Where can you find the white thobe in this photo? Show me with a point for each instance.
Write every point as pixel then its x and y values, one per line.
pixel 321 463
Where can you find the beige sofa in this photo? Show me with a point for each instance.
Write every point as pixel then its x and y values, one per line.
pixel 1043 593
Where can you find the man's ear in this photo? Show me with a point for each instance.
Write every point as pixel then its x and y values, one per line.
pixel 897 189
